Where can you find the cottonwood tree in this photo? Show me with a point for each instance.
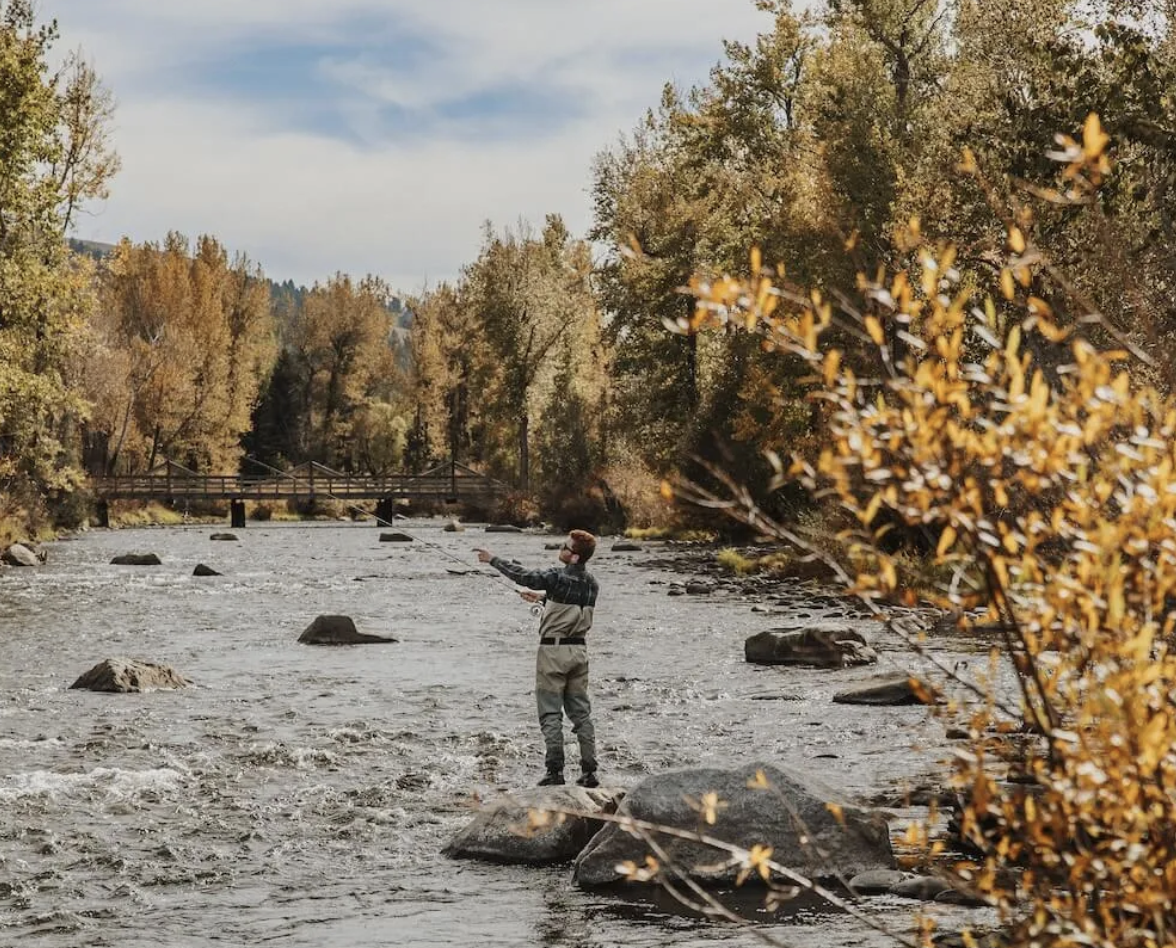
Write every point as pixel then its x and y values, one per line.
pixel 54 156
pixel 450 366
pixel 340 342
pixel 196 340
pixel 527 295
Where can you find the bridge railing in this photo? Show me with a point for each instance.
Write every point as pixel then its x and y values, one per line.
pixel 232 487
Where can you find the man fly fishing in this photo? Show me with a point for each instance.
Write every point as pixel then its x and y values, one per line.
pixel 561 666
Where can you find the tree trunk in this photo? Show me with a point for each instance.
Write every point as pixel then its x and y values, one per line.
pixel 691 361
pixel 524 451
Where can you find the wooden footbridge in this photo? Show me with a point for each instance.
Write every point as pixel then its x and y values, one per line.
pixel 171 483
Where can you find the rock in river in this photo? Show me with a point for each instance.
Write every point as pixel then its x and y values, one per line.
pixel 833 647
pixel 889 690
pixel 337 630
pixel 20 555
pixel 126 675
pixel 505 831
pixel 803 833
pixel 137 559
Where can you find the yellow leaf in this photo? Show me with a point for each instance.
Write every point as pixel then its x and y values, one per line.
pixel 874 328
pixel 1007 286
pixel 1014 342
pixel 832 364
pixel 1016 240
pixel 1039 307
pixel 872 508
pixel 1094 139
pixel 946 539
pixel 759 781
pixel 667 490
pixel 757 260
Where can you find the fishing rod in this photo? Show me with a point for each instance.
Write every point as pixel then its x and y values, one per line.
pixel 496 578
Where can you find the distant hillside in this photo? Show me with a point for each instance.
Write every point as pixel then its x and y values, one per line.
pixel 91 248
pixel 285 289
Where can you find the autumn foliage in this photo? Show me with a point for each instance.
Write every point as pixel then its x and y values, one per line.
pixel 1046 471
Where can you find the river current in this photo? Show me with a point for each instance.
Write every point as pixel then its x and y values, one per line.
pixel 300 796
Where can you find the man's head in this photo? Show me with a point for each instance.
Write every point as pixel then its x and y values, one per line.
pixel 578 547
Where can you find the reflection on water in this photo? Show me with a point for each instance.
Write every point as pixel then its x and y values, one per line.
pixel 300 796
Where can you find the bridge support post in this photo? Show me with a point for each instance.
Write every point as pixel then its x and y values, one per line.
pixel 237 513
pixel 102 513
pixel 386 509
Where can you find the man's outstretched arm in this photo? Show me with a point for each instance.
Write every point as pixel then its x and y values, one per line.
pixel 531 578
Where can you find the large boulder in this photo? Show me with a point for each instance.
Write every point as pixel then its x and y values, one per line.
pixel 337 630
pixel 20 555
pixel 823 647
pixel 136 559
pixel 126 675
pixel 505 830
pixel 792 817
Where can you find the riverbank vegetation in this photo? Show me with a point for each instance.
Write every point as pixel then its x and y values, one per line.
pixel 1013 426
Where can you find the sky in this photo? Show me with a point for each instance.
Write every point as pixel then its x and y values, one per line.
pixel 375 136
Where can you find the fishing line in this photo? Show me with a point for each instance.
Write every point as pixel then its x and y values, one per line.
pixel 498 579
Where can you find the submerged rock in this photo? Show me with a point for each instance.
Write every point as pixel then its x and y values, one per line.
pixel 202 570
pixel 223 536
pixel 395 538
pixel 127 675
pixel 803 833
pixel 888 690
pixel 337 630
pixel 504 830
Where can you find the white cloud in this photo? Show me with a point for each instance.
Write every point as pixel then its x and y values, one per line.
pixel 409 207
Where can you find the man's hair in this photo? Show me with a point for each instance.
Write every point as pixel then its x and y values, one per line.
pixel 583 544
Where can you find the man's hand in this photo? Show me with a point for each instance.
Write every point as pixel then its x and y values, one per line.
pixel 531 596
pixel 484 556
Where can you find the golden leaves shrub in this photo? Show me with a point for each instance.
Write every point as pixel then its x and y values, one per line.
pixel 1046 472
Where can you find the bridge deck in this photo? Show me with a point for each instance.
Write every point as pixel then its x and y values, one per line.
pixel 429 486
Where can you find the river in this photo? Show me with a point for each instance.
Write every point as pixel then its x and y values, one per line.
pixel 300 796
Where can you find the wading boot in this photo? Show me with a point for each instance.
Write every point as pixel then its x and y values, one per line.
pixel 588 779
pixel 554 778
